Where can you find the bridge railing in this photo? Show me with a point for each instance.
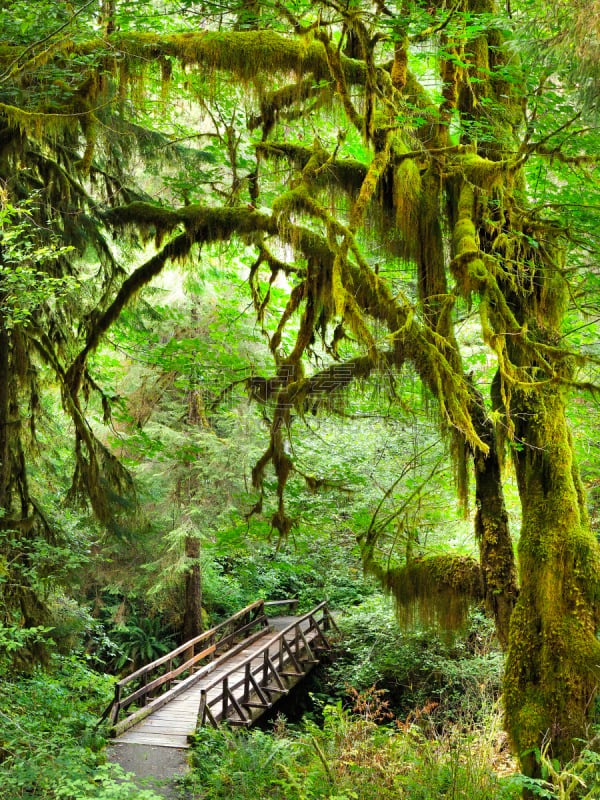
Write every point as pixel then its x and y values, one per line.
pixel 269 671
pixel 146 685
pixel 292 602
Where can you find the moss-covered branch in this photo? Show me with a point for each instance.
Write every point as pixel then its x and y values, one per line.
pixel 245 54
pixel 371 296
pixel 437 590
pixel 346 173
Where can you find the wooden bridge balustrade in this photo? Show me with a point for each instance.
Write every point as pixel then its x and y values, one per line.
pixel 151 683
pixel 250 687
pixel 215 677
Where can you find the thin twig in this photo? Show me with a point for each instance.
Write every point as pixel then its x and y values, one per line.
pixel 44 40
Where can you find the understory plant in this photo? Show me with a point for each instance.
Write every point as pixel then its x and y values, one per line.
pixel 457 676
pixel 350 758
pixel 578 779
pixel 50 746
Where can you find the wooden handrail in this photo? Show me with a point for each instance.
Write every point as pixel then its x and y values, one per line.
pixel 251 616
pixel 303 618
pixel 171 694
pixel 189 644
pixel 288 653
pixel 292 601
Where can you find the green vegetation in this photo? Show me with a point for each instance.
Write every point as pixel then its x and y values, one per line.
pixel 349 757
pixel 458 679
pixel 302 299
pixel 49 740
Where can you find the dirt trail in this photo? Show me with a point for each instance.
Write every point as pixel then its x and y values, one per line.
pixel 155 768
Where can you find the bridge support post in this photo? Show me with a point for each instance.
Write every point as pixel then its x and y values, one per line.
pixel 225 698
pixel 265 678
pixel 246 695
pixel 202 707
pixel 116 707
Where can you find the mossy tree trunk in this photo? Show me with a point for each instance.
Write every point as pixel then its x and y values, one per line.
pixel 106 18
pixel 4 419
pixel 192 611
pixel 497 559
pixel 496 553
pixel 553 664
pixel 20 598
pixel 553 659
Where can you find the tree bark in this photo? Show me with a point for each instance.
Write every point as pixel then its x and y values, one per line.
pixel 553 663
pixel 496 554
pixel 4 420
pixel 192 613
pixel 106 19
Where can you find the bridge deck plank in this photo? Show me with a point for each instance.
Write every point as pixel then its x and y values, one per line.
pixel 170 725
pixel 183 711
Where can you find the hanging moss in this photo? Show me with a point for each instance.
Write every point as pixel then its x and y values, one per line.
pixel 36 123
pixel 346 174
pixel 244 53
pixel 287 104
pixel 406 199
pixel 438 591
pixel 369 186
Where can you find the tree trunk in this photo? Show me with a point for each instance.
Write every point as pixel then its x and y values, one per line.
pixel 552 668
pixel 106 19
pixel 4 420
pixel 192 613
pixel 496 554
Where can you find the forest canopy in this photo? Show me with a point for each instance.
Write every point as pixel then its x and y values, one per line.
pixel 414 188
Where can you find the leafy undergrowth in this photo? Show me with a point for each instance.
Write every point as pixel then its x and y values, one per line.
pixel 49 748
pixel 364 755
pixel 455 676
pixel 351 757
pixel 420 720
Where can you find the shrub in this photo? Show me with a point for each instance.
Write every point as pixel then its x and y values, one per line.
pixel 349 758
pixel 49 746
pixel 460 675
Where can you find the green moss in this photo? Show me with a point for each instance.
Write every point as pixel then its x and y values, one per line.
pixel 38 124
pixel 244 53
pixel 369 187
pixel 553 664
pixel 203 224
pixel 399 71
pixel 89 126
pixel 407 190
pixel 346 174
pixel 438 590
pixel 482 172
pixel 467 265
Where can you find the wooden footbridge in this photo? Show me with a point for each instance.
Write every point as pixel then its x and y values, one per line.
pixel 234 672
